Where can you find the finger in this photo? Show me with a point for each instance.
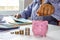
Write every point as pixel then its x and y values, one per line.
pixel 39 14
pixel 45 11
pixel 38 11
pixel 49 11
pixel 42 11
pixel 52 10
pixel 16 16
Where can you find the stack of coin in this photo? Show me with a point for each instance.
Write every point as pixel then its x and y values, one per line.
pixel 21 32
pixel 12 32
pixel 16 32
pixel 27 31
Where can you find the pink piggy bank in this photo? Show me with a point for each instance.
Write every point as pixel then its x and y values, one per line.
pixel 40 28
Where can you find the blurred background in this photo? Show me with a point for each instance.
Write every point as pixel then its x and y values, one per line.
pixel 11 7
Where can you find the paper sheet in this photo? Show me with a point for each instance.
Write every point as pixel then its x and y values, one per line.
pixel 11 19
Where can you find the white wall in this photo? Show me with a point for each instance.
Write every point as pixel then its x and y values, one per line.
pixel 22 5
pixel 27 2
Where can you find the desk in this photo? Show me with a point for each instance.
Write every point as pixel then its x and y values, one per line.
pixel 51 28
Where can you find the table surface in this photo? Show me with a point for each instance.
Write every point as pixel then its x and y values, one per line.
pixel 52 34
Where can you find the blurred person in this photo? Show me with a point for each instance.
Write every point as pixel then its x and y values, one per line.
pixel 31 11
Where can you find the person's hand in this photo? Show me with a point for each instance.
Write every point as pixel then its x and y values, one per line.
pixel 17 16
pixel 45 10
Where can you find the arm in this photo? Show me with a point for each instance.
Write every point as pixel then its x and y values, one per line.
pixel 27 11
pixel 57 12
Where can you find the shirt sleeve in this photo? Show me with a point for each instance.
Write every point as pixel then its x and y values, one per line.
pixel 27 11
pixel 57 11
pixel 56 4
